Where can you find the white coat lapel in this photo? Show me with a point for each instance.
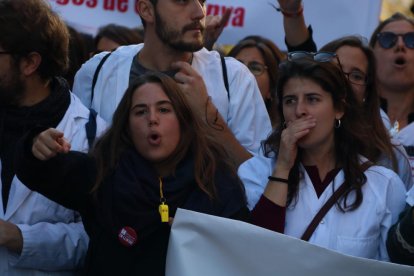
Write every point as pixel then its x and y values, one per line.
pixel 18 193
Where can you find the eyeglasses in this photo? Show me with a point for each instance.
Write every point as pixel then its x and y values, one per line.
pixel 388 40
pixel 356 77
pixel 5 53
pixel 256 68
pixel 318 56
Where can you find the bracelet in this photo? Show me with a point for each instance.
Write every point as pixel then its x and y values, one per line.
pixel 278 179
pixel 291 14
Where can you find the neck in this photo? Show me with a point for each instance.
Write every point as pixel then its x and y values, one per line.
pixel 323 157
pixel 399 105
pixel 36 90
pixel 157 56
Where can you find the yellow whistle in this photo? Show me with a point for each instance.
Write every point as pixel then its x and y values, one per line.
pixel 163 209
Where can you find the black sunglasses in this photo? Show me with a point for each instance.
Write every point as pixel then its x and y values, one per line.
pixel 317 56
pixel 388 40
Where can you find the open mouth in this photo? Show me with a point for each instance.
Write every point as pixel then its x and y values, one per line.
pixel 400 61
pixel 154 139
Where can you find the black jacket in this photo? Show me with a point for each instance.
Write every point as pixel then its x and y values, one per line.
pixel 129 197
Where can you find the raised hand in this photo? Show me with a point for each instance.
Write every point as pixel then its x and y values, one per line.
pixel 214 27
pixel 290 6
pixel 192 86
pixel 288 148
pixel 49 143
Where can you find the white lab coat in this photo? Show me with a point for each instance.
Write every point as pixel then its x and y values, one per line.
pixel 406 137
pixel 361 232
pixel 53 236
pixel 245 113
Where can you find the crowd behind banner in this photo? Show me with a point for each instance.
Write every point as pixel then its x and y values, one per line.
pixel 336 18
pixel 103 138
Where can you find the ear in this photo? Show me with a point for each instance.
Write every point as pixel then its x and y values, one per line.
pixel 339 112
pixel 146 10
pixel 30 63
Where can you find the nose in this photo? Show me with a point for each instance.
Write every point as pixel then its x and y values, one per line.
pixel 152 118
pixel 199 11
pixel 301 109
pixel 400 42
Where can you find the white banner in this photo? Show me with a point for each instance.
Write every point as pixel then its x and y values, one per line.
pixel 330 19
pixel 206 245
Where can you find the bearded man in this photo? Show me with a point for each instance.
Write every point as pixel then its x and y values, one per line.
pixel 173 44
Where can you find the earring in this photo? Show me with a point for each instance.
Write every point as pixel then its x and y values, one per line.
pixel 337 123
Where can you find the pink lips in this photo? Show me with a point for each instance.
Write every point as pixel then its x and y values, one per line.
pixel 154 139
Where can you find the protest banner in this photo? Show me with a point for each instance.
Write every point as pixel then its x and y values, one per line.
pixel 329 19
pixel 206 245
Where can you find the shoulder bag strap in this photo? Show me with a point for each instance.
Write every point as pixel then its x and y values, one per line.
pixel 328 205
pixel 96 74
pixel 226 80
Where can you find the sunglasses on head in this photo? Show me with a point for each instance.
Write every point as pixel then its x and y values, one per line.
pixel 256 68
pixel 318 56
pixel 388 40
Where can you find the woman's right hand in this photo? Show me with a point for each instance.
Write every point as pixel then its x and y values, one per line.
pixel 49 143
pixel 288 149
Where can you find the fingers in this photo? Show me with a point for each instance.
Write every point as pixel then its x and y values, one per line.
pixel 290 136
pixel 225 18
pixel 49 143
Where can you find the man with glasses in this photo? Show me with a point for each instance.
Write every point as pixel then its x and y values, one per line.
pixel 173 44
pixel 37 236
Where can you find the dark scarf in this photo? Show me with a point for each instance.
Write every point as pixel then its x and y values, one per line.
pixel 16 121
pixel 131 196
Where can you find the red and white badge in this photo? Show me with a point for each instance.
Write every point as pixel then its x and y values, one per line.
pixel 127 236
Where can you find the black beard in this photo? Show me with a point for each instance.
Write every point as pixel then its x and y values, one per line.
pixel 11 88
pixel 169 36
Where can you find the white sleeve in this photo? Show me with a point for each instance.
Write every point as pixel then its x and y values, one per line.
pixel 254 173
pixel 82 85
pixel 247 117
pixel 52 246
pixel 395 203
pixel 404 166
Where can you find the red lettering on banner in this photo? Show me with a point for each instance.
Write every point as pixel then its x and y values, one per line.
pixel 236 17
pixel 62 2
pixel 109 5
pixel 122 5
pixel 89 3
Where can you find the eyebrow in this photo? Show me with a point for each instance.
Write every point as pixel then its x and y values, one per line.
pixel 157 103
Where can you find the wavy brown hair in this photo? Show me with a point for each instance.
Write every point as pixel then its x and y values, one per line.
pixel 380 139
pixel 272 56
pixel 350 138
pixel 208 155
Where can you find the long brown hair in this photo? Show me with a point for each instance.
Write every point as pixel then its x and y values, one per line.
pixel 194 139
pixel 380 142
pixel 350 138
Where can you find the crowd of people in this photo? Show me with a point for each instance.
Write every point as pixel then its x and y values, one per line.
pixel 100 144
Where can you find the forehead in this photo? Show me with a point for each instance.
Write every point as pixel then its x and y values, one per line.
pixel 400 26
pixel 249 54
pixel 149 93
pixel 298 85
pixel 352 58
